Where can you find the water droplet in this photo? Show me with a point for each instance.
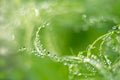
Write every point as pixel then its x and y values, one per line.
pixel 86 60
pixel 80 54
pixel 108 61
pixel 33 51
pixel 47 24
pixel 86 76
pixel 44 50
pixel 82 57
pixel 94 57
pixel 65 63
pixel 53 56
pixel 75 72
pixel 22 49
pixel 48 53
pixel 42 56
pixel 71 66
pixel 79 74
pixel 36 54
pixel 56 58
pixel 89 46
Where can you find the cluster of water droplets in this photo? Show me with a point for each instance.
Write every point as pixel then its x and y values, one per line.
pixel 78 65
pixel 90 62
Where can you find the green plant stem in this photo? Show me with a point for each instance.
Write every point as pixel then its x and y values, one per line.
pixel 98 39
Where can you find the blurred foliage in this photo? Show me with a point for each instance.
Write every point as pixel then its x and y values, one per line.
pixel 67 27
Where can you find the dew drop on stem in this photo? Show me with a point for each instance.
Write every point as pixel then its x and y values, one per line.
pixel 48 53
pixel 33 51
pixel 22 49
pixel 65 63
pixel 41 56
pixel 79 74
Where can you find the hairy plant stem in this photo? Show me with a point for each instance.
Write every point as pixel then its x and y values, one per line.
pixel 98 39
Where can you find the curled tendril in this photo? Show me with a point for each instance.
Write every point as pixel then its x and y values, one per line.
pixel 98 39
pixel 115 29
pixel 75 60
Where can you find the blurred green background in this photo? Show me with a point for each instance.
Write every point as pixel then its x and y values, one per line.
pixel 69 27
